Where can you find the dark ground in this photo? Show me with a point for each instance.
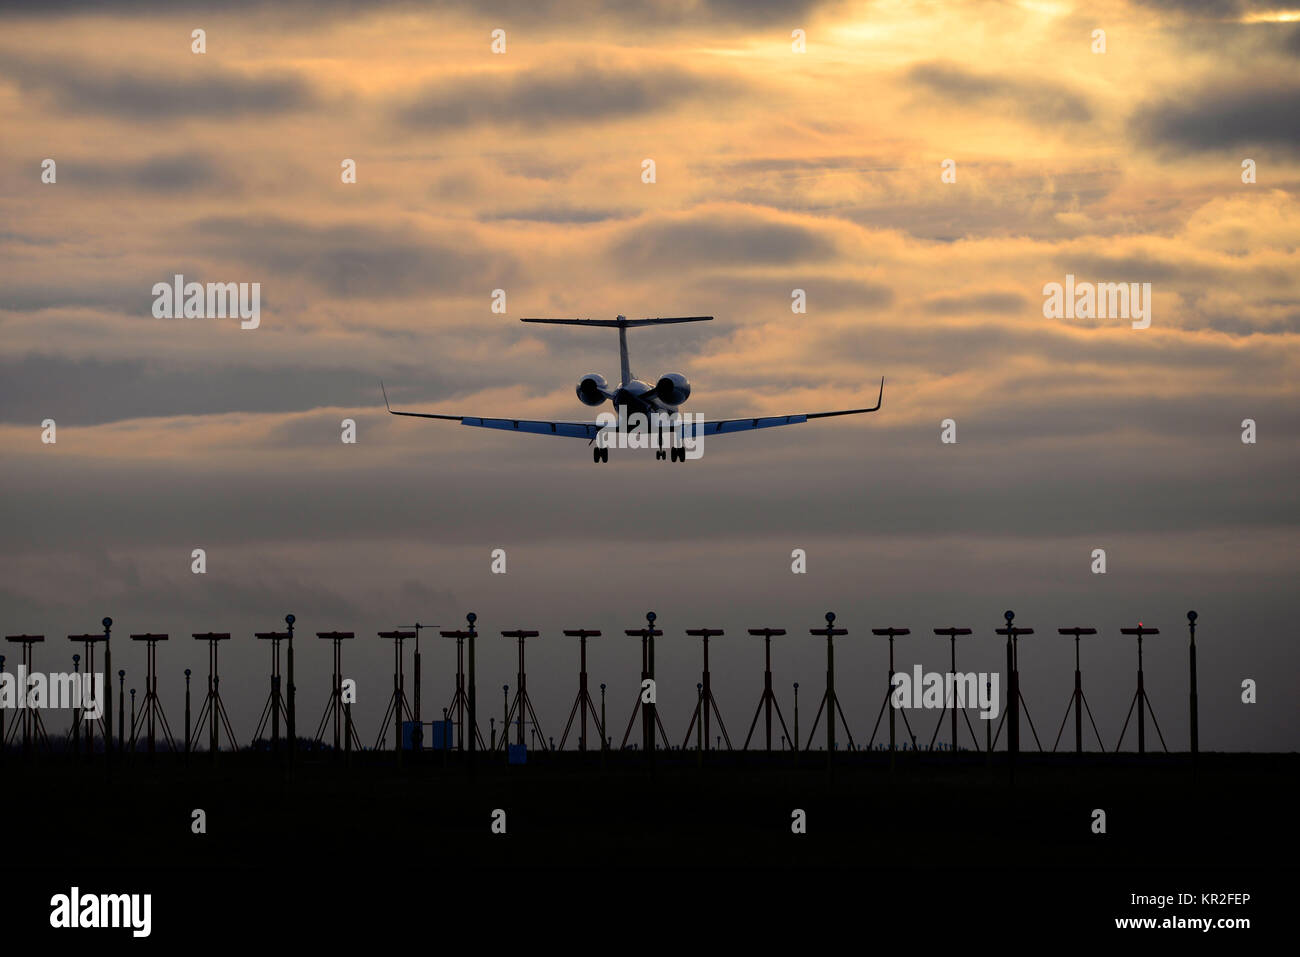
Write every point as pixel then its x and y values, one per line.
pixel 943 836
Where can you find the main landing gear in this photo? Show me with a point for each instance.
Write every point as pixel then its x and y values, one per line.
pixel 599 455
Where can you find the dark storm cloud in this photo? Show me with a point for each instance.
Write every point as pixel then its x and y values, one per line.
pixel 540 97
pixel 355 260
pixel 713 239
pixel 141 94
pixel 1222 116
pixel 1036 98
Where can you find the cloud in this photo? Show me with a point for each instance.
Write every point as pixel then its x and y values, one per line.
pixel 355 260
pixel 542 97
pixel 113 390
pixel 136 94
pixel 715 236
pixel 1213 9
pixel 1037 99
pixel 648 12
pixel 974 301
pixel 564 215
pixel 164 173
pixel 1222 115
pixel 796 166
pixel 67 289
pixel 1121 267
pixel 740 294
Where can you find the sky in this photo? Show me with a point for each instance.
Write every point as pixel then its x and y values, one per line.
pixel 774 170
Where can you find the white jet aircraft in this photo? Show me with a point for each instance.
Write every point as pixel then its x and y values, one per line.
pixel 633 396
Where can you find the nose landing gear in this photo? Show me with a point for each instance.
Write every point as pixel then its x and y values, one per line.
pixel 599 455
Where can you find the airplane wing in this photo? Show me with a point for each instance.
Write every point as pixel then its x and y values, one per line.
pixel 589 430
pixel 728 426
pixel 577 430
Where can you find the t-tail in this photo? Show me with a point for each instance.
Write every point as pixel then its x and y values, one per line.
pixel 622 324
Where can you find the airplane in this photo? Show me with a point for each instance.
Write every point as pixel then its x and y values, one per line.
pixel 632 396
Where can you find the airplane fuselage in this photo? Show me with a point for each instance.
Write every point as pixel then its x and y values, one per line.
pixel 639 396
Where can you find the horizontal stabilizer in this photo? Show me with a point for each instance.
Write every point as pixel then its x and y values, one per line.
pixel 621 322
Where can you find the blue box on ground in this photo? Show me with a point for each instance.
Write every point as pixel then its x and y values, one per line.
pixel 412 735
pixel 440 738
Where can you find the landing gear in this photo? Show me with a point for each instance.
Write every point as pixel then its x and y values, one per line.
pixel 661 455
pixel 679 455
pixel 599 455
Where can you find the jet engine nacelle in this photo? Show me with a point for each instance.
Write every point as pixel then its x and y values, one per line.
pixel 592 389
pixel 673 389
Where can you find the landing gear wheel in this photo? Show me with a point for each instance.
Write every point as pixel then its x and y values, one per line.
pixel 661 455
pixel 600 455
pixel 679 455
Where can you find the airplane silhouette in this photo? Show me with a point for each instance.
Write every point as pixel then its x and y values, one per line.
pixel 658 402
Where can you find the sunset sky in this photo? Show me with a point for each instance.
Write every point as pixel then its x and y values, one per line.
pixel 775 170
